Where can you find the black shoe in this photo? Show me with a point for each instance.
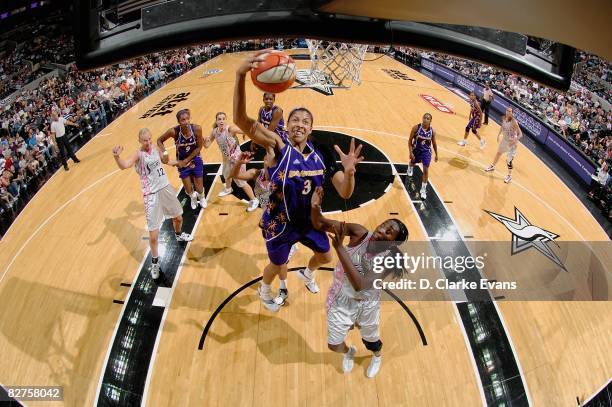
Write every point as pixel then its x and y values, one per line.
pixel 76 160
pixel 282 296
pixel 65 168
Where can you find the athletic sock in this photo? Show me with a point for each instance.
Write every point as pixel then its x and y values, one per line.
pixel 283 284
pixel 265 291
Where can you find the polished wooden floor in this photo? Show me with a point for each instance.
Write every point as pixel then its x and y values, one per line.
pixel 65 256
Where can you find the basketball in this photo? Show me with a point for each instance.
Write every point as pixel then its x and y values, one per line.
pixel 275 74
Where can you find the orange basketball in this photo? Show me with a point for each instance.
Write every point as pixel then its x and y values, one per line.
pixel 275 74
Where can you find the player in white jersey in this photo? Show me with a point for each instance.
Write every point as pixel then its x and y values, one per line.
pixel 511 135
pixel 352 300
pixel 160 199
pixel 225 135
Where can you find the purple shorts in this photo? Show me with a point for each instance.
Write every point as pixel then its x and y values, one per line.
pixel 279 247
pixel 473 125
pixel 195 168
pixel 421 156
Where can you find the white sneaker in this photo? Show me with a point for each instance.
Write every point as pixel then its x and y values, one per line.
pixel 225 192
pixel 374 366
pixel 490 168
pixel 203 202
pixel 292 252
pixel 254 204
pixel 483 143
pixel 310 283
pixel 267 302
pixel 507 179
pixel 155 271
pixel 194 200
pixel 184 237
pixel 461 143
pixel 423 193
pixel 282 296
pixel 348 361
pixel 409 170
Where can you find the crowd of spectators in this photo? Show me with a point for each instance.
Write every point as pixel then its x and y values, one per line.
pixel 594 73
pixel 575 114
pixel 29 155
pixel 26 50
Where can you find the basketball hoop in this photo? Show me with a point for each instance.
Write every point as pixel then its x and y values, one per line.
pixel 335 62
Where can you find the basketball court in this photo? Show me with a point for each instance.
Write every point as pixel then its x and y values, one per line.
pixel 76 297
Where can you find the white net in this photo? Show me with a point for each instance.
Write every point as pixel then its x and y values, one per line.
pixel 336 62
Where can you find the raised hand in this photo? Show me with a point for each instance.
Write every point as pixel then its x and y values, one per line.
pixel 350 160
pixel 251 61
pixel 117 150
pixel 339 234
pixel 245 157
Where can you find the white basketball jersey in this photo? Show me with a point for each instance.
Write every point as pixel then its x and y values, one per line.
pixel 151 171
pixel 342 284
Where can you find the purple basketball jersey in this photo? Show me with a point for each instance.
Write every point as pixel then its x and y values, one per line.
pixel 292 182
pixel 422 146
pixel 184 143
pixel 265 117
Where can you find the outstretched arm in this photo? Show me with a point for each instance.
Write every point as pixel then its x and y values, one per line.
pixel 206 142
pixel 324 224
pixel 160 140
pixel 121 162
pixel 344 182
pixel 256 132
pixel 248 175
pixel 358 281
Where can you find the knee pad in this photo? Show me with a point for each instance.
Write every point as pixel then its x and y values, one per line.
pixel 509 164
pixel 373 346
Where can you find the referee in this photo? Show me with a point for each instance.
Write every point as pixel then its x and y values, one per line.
pixel 58 131
pixel 487 98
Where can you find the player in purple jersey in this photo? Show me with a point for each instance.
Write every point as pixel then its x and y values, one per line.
pixel 188 140
pixel 299 167
pixel 422 138
pixel 474 123
pixel 270 115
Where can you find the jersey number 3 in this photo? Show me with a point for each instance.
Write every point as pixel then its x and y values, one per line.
pixel 307 187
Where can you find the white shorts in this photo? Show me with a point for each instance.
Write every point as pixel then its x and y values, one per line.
pixel 227 170
pixel 160 206
pixel 506 147
pixel 345 312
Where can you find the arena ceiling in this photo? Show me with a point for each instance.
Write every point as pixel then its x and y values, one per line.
pixel 126 29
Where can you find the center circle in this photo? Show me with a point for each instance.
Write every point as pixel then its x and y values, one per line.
pixel 372 178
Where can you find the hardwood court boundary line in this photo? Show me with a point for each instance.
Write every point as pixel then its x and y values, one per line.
pixel 458 320
pixel 457 314
pixel 58 210
pixel 425 234
pixel 174 285
pixel 44 223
